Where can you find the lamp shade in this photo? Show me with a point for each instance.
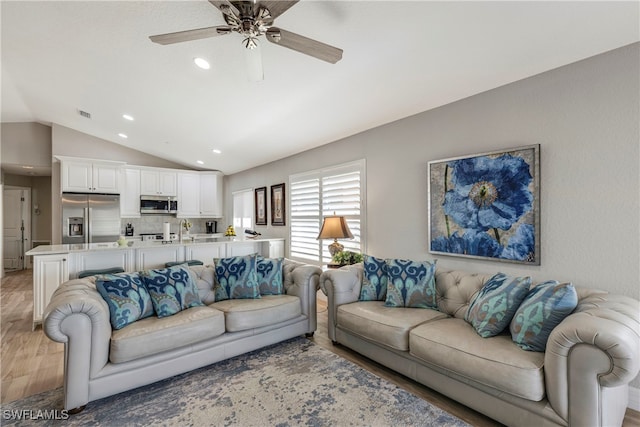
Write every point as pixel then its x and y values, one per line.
pixel 335 227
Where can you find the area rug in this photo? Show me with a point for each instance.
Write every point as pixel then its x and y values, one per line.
pixel 292 383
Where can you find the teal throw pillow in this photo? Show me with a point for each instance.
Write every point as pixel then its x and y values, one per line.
pixel 411 284
pixel 374 281
pixel 495 304
pixel 269 274
pixel 172 289
pixel 126 296
pixel 236 278
pixel 544 307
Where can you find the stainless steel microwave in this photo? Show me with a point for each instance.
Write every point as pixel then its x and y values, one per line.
pixel 158 205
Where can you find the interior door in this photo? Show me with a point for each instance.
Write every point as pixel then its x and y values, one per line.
pixel 13 229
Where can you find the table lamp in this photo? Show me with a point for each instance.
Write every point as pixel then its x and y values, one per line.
pixel 335 227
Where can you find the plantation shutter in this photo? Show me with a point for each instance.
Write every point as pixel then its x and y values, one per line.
pixel 337 190
pixel 305 211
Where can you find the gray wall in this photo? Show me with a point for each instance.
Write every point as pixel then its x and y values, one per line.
pixel 26 144
pixel 584 116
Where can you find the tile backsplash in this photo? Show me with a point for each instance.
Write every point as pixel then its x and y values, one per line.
pixel 154 224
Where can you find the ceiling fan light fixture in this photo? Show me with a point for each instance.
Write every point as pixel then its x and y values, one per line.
pixel 202 63
pixel 250 42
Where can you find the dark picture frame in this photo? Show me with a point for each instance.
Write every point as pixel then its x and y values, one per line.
pixel 260 196
pixel 486 206
pixel 278 206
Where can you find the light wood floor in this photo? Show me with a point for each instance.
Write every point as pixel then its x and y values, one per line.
pixel 30 363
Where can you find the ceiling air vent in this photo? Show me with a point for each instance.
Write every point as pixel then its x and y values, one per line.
pixel 84 114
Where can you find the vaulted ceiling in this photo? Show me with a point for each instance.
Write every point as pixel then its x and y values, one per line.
pixel 400 58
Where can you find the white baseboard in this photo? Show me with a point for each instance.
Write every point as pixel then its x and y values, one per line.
pixel 634 398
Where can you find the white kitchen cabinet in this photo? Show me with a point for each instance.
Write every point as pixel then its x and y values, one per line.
pixel 89 176
pixel 154 182
pixel 206 252
pixel 130 197
pixel 244 248
pixel 273 248
pixel 189 191
pixel 156 257
pixel 49 272
pixel 211 187
pixel 101 260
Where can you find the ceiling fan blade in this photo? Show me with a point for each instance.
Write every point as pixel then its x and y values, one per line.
pixel 226 7
pixel 188 35
pixel 304 45
pixel 275 8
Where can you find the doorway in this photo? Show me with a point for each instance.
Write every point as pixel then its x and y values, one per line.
pixel 16 218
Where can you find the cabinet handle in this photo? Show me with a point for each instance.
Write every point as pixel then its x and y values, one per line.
pixel 64 260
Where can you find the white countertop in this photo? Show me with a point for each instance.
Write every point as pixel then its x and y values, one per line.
pixel 134 244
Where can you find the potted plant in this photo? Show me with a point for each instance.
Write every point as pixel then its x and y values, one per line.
pixel 347 258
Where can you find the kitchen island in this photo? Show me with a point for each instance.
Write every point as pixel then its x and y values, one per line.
pixel 55 264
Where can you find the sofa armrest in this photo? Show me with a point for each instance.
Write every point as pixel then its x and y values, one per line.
pixel 591 357
pixel 341 286
pixel 78 317
pixel 302 280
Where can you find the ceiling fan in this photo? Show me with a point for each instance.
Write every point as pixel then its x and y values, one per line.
pixel 253 19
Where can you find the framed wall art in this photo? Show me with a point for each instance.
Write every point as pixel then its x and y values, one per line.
pixel 278 212
pixel 486 206
pixel 260 195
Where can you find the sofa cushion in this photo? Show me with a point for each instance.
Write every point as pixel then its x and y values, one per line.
pixel 495 304
pixel 452 344
pixel 243 314
pixel 269 272
pixel 374 280
pixel 172 289
pixel 236 278
pixel 204 277
pixel 126 296
pixel 411 284
pixel 154 335
pixel 544 307
pixel 388 326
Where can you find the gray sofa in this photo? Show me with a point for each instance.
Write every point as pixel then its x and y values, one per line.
pixel 100 362
pixel 580 380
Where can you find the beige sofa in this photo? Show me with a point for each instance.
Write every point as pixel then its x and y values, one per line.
pixel 100 362
pixel 580 380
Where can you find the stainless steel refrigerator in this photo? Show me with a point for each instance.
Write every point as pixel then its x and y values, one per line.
pixel 90 218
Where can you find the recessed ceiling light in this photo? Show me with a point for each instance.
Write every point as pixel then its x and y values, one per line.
pixel 216 151
pixel 27 167
pixel 122 135
pixel 200 162
pixel 202 63
pixel 127 117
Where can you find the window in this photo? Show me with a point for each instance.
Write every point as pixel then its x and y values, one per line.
pixel 338 190
pixel 242 210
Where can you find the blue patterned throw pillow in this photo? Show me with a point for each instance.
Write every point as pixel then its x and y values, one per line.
pixel 126 296
pixel 374 282
pixel 411 284
pixel 172 289
pixel 269 274
pixel 495 304
pixel 544 307
pixel 236 278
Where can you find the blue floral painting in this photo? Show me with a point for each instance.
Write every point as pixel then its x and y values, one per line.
pixel 486 206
